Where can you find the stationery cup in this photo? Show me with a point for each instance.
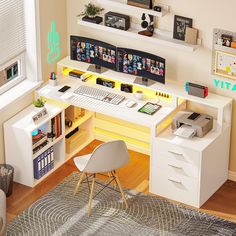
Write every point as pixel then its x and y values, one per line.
pixel 53 82
pixel 139 95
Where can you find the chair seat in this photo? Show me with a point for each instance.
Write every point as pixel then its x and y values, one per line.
pixel 81 161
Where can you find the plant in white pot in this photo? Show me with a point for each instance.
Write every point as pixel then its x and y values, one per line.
pixel 39 102
pixel 91 13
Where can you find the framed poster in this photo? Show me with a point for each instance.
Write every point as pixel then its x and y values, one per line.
pixel 225 64
pixel 147 4
pixel 180 24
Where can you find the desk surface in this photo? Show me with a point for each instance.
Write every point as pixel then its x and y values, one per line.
pixel 213 100
pixel 118 111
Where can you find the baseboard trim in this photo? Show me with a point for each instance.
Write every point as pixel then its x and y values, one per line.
pixel 232 175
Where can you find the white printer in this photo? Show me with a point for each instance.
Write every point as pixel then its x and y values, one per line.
pixel 189 124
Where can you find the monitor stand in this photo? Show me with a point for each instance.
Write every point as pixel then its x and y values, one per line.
pixel 144 81
pixel 97 69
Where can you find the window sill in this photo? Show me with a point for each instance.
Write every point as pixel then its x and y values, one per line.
pixel 23 88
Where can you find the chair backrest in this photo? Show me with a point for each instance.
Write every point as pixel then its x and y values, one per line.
pixel 2 213
pixel 108 157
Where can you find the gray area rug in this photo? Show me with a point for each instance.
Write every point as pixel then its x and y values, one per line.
pixel 59 212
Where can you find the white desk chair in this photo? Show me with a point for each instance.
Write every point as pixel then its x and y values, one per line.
pixel 107 157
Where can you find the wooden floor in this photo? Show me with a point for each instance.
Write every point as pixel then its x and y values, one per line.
pixel 134 175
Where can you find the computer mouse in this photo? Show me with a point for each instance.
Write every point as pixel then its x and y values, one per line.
pixel 130 103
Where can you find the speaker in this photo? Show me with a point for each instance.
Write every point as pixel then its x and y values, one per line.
pixel 106 83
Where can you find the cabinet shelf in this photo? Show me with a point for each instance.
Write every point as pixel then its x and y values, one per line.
pixel 79 148
pixel 132 9
pixel 162 38
pixel 57 164
pixel 88 114
pixel 50 143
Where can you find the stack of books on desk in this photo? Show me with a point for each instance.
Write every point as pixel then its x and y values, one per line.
pixel 43 163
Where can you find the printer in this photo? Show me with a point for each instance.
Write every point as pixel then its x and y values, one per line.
pixel 189 124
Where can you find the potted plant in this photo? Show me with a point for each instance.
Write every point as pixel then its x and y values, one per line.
pixel 39 102
pixel 90 13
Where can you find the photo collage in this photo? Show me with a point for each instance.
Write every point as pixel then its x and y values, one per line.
pixel 88 52
pixel 133 63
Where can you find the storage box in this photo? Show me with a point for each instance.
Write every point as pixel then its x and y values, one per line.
pixel 73 113
pixel 233 44
pixel 75 140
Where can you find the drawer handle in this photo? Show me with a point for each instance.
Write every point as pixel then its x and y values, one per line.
pixel 174 181
pixel 176 153
pixel 176 167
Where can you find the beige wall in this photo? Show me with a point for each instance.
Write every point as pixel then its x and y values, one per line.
pixel 49 11
pixel 52 10
pixel 181 66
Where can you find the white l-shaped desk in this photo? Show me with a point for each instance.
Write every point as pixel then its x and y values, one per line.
pixel 189 171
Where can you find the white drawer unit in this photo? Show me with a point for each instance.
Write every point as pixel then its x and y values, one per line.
pixel 189 170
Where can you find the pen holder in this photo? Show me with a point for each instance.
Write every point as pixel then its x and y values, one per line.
pixel 52 82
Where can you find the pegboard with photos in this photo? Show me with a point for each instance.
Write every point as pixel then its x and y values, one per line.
pixel 224 54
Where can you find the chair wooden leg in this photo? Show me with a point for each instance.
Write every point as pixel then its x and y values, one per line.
pixel 110 178
pixel 120 187
pixel 79 182
pixel 91 195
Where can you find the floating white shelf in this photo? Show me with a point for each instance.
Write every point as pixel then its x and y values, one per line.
pixel 162 38
pixel 132 9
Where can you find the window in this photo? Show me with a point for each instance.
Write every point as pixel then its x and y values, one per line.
pixel 12 43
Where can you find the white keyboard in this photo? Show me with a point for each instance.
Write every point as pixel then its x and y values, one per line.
pixel 99 94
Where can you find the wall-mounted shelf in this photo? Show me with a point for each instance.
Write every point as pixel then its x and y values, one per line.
pixel 162 38
pixel 132 9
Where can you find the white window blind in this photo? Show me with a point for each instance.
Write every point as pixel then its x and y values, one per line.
pixel 12 29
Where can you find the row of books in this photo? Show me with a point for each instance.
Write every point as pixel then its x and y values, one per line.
pixel 43 163
pixel 56 126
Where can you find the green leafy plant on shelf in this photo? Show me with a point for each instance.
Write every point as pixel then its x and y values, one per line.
pixel 39 102
pixel 91 11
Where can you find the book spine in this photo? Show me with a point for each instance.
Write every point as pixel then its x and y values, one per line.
pixel 53 127
pixel 42 165
pixel 52 157
pixel 36 168
pixel 49 159
pixel 45 162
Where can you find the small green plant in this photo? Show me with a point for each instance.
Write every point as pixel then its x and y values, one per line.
pixel 91 10
pixel 39 102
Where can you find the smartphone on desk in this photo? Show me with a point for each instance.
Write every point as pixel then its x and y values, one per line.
pixel 64 88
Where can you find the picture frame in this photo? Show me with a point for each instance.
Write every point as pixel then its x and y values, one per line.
pixel 147 4
pixel 40 115
pixel 226 40
pixel 180 24
pixel 225 64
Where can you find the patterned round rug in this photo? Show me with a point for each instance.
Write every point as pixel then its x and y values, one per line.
pixel 59 212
